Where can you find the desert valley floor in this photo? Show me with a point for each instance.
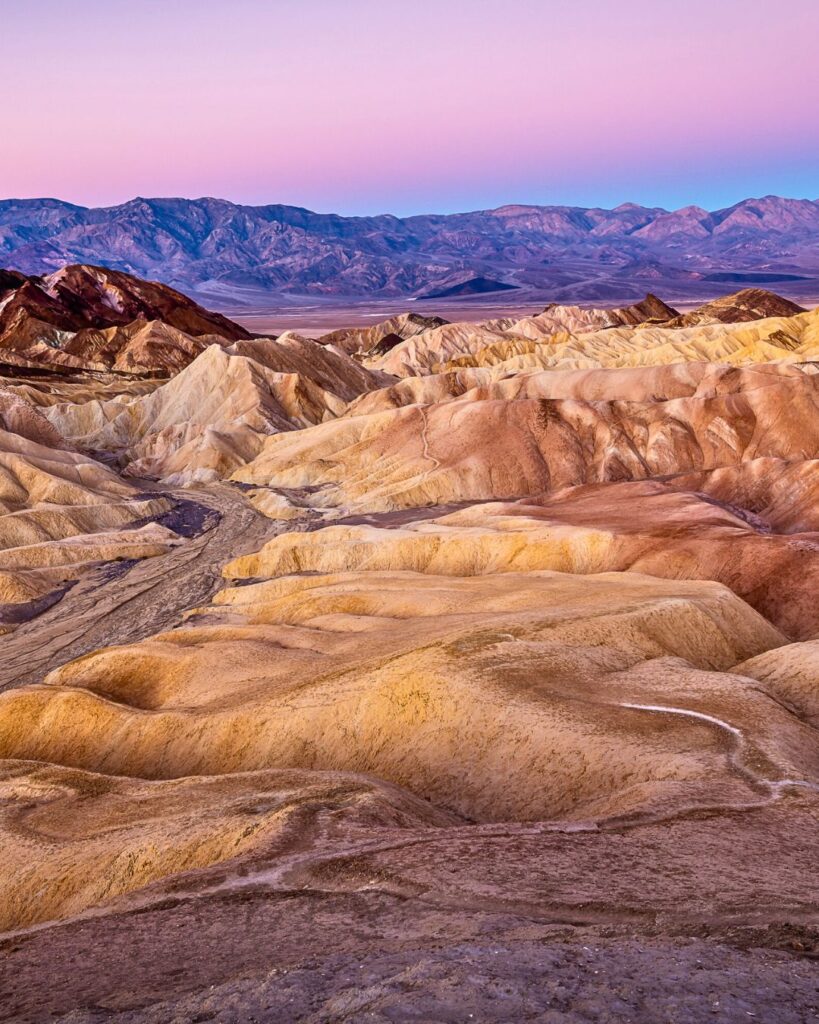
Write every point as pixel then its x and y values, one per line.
pixel 426 671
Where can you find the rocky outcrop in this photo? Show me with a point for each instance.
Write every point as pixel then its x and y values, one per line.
pixel 742 527
pixel 214 415
pixel 471 449
pixel 78 296
pixel 84 317
pixel 62 513
pixel 408 677
pixel 748 304
pixel 370 340
pixel 569 338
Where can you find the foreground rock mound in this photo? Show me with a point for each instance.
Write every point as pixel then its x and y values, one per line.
pixel 512 696
pixel 101 837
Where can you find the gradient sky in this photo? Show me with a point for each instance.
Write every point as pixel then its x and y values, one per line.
pixel 409 106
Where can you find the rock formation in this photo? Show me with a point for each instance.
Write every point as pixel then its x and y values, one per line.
pixel 568 339
pixel 471 448
pixel 213 416
pixel 370 340
pixel 86 317
pixel 62 513
pixel 459 657
pixel 748 304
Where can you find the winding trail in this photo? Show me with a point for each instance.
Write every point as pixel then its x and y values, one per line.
pixel 302 866
pixel 425 441
pixel 773 787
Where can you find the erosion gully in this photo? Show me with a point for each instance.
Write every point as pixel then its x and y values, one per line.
pixel 122 602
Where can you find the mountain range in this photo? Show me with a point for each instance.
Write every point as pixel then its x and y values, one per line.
pixel 239 255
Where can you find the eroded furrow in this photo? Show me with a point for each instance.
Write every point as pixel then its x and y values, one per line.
pixel 123 606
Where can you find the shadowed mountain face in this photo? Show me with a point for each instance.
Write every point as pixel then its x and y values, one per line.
pixel 232 252
pixel 429 670
pixel 87 296
pixel 88 317
pixel 472 286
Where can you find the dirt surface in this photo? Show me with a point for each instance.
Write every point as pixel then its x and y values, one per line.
pixel 701 918
pixel 126 601
pixel 607 981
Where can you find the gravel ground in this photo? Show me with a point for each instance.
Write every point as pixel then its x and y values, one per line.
pixel 561 983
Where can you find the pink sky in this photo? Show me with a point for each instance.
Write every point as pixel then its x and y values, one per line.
pixel 362 106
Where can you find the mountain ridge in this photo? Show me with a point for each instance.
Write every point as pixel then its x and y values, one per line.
pixel 214 246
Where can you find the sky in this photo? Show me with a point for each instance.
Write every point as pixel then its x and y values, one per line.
pixel 410 106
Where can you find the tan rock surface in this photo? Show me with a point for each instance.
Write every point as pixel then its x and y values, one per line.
pixel 629 384
pixel 476 450
pixel 498 697
pixel 541 342
pixel 678 534
pixel 542 696
pixel 355 340
pixel 74 840
pixel 418 347
pixel 42 388
pixel 61 512
pixel 214 415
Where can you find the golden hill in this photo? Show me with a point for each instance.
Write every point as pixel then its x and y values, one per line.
pixel 521 656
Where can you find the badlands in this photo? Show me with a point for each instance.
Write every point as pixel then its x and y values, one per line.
pixel 426 671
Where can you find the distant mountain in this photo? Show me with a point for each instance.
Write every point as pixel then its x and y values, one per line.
pixel 471 286
pixel 234 254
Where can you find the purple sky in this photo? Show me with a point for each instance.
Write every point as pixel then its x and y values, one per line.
pixel 407 106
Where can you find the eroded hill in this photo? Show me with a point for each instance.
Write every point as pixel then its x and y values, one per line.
pixel 427 648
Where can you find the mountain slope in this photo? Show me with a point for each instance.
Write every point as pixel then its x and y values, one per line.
pixel 224 249
pixel 78 296
pixel 88 317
